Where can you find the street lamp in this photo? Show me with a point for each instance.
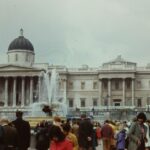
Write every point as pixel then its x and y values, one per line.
pixel 77 110
pixel 148 104
pixel 93 110
pixel 106 101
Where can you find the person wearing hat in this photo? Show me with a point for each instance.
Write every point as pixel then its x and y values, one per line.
pixel 137 133
pixel 23 128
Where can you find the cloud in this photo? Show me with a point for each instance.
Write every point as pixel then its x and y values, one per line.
pixel 76 32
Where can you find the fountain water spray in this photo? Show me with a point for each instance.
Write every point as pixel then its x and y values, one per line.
pixel 50 95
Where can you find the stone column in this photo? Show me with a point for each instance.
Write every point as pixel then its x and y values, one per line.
pixel 109 92
pixel 39 88
pixel 65 91
pixel 31 90
pixel 14 92
pixel 23 92
pixel 123 94
pixel 6 91
pixel 133 91
pixel 100 91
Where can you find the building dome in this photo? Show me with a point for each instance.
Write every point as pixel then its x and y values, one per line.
pixel 21 43
pixel 21 51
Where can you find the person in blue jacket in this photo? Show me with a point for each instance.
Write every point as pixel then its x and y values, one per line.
pixel 121 135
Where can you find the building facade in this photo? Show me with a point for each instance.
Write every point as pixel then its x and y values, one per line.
pixel 118 84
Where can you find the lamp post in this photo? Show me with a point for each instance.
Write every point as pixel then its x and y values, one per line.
pixel 106 101
pixel 93 111
pixel 148 103
pixel 77 110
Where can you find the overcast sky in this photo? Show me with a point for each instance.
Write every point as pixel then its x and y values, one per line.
pixel 77 32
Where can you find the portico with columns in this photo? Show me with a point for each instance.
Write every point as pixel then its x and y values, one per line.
pixel 117 83
pixel 119 95
pixel 19 89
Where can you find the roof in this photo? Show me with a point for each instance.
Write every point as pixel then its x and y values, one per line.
pixel 21 43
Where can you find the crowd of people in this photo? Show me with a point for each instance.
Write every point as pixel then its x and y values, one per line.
pixel 86 134
pixel 76 134
pixel 14 135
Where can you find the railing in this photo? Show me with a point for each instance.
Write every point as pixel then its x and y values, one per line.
pixel 101 108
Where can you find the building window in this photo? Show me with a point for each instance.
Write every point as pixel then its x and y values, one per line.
pixel 27 57
pixel 70 102
pixel 117 102
pixel 105 84
pixel 116 85
pixel 70 85
pixel 82 102
pixel 139 102
pixel 2 103
pixel 95 85
pixel 95 101
pixel 16 57
pixel 82 85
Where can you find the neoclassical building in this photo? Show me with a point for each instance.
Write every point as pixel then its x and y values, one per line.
pixel 117 84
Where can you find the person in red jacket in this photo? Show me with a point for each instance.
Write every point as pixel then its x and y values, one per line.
pixel 107 134
pixel 58 140
pixel 98 133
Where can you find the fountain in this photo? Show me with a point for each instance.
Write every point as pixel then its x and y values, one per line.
pixel 50 96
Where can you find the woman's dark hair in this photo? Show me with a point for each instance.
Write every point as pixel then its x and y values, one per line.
pixel 55 131
pixel 19 114
pixel 141 115
pixel 66 127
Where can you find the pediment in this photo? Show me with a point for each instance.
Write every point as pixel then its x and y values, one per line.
pixel 10 67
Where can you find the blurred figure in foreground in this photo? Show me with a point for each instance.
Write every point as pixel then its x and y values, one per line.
pixel 58 140
pixel 42 136
pixel 9 139
pixel 120 137
pixel 23 129
pixel 137 133
pixel 85 134
pixel 107 135
pixel 70 136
